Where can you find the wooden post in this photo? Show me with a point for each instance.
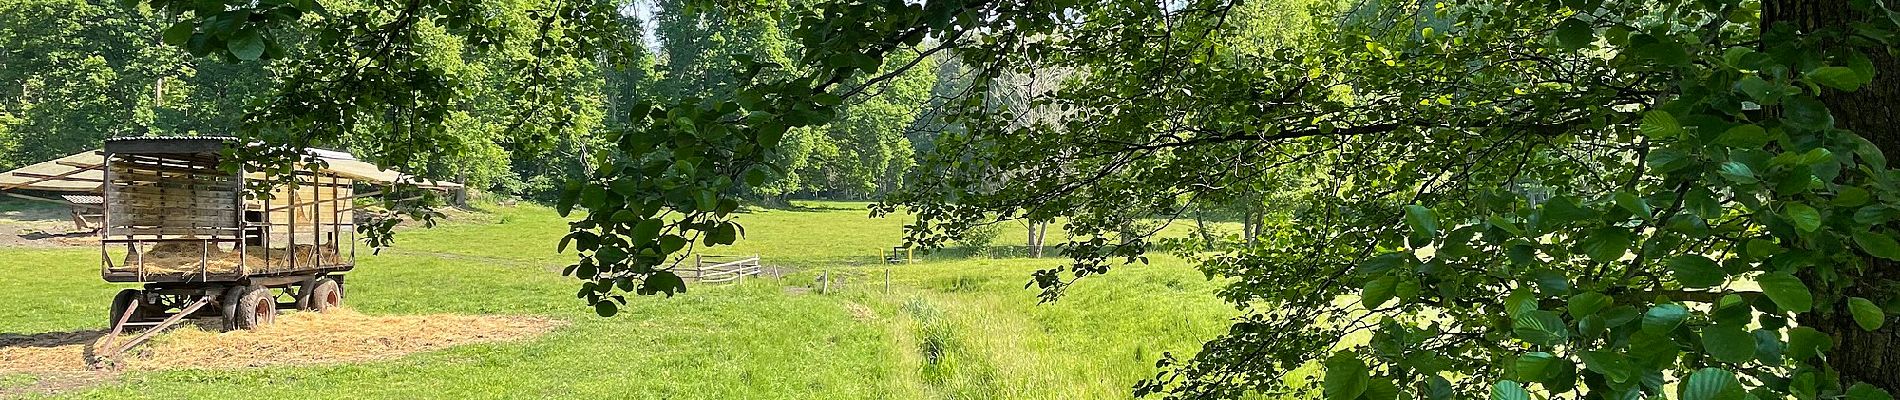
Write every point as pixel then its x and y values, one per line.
pixel 825 285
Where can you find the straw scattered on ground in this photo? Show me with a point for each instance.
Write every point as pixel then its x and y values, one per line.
pixel 340 336
pixel 860 312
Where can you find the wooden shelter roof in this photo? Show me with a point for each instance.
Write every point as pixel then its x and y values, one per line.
pixel 85 172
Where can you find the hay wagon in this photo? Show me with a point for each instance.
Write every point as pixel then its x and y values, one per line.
pixel 199 244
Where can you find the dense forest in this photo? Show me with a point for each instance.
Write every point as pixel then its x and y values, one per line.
pixel 75 72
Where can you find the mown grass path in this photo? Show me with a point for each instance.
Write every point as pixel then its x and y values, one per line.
pixel 947 329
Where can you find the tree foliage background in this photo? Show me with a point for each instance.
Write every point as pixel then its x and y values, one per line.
pixel 76 72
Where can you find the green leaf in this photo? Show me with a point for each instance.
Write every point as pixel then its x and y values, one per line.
pixel 1562 210
pixel 610 255
pixel 1423 221
pixel 1768 347
pixel 1563 376
pixel 1652 350
pixel 626 186
pixel 770 134
pixel 1635 205
pixel 1731 309
pixel 1805 218
pixel 593 197
pixel 1737 172
pixel 1541 327
pixel 1758 89
pixel 1378 291
pixel 1666 160
pixel 1520 301
pixel 1806 112
pixel 1506 225
pixel 180 33
pixel 1659 124
pixel 1381 389
pixel 1864 391
pixel 1712 384
pixel 1697 271
pixel 1877 244
pixel 671 243
pixel 1806 342
pixel 1437 388
pixel 705 200
pixel 1509 390
pixel 1587 303
pixel 1787 291
pixel 606 308
pixel 1346 377
pixel 1664 318
pixel 663 282
pixel 646 231
pixel 1611 365
pixel 828 99
pixel 1534 367
pixel 1842 78
pixel 247 44
pixel 570 193
pixel 1749 136
pixel 1663 51
pixel 1606 244
pixel 1868 315
pixel 1575 34
pixel 1383 262
pixel 1728 343
pixel 726 233
pixel 755 176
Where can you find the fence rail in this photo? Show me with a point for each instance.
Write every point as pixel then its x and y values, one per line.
pixel 721 269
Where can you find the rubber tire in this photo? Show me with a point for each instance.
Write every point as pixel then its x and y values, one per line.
pixel 326 295
pixel 257 308
pixel 127 299
pixel 228 305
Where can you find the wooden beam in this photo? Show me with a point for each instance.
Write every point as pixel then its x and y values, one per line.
pixel 28 197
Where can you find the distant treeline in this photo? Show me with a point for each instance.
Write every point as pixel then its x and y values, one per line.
pixel 74 72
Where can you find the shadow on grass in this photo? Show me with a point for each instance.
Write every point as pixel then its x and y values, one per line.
pixel 820 208
pixel 49 339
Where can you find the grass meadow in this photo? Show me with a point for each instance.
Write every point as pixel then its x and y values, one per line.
pixel 945 329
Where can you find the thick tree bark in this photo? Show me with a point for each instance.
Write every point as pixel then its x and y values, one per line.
pixel 1872 112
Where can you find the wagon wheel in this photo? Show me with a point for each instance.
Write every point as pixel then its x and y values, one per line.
pixel 128 300
pixel 257 308
pixel 228 305
pixel 326 295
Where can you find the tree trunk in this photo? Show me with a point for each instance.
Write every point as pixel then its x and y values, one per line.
pixel 1037 232
pixel 1872 112
pixel 1200 225
pixel 1246 227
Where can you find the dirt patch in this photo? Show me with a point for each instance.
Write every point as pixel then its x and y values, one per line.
pixel 38 226
pixel 58 359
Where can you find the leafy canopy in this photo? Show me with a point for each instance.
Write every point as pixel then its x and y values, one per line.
pixel 1530 199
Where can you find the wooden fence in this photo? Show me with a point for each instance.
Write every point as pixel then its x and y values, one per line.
pixel 721 269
